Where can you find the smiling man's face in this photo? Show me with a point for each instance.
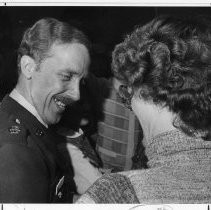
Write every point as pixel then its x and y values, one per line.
pixel 56 83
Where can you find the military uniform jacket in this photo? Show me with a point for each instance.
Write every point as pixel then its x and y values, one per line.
pixel 31 168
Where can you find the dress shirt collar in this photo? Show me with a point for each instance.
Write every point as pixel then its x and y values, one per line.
pixel 23 102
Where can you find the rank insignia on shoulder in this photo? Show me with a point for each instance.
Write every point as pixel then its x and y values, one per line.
pixel 14 129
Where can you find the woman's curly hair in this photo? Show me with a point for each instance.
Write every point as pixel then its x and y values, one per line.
pixel 169 60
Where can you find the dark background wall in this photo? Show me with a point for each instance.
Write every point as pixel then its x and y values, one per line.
pixel 105 26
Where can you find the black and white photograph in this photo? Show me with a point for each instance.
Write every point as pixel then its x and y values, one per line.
pixel 105 104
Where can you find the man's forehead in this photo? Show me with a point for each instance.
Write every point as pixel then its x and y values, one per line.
pixel 71 45
pixel 70 58
pixel 76 50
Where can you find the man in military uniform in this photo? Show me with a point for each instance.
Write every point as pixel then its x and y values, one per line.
pixel 52 59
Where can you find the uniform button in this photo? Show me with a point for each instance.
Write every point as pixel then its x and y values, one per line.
pixel 39 132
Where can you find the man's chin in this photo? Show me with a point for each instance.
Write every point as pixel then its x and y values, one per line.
pixel 56 120
pixel 53 121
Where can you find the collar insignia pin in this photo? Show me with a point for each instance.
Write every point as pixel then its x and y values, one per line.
pixel 18 121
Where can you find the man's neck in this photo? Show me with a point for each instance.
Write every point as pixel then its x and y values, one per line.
pixel 17 96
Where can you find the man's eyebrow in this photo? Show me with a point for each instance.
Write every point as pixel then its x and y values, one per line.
pixel 72 71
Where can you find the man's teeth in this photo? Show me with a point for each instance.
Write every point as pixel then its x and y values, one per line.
pixel 59 103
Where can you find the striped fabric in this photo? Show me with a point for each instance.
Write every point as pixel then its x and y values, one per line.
pixel 118 134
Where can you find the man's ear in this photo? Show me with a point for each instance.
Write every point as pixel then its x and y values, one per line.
pixel 28 66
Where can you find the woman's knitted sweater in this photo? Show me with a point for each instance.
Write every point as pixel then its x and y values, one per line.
pixel 179 172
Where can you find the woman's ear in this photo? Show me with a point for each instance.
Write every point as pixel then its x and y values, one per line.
pixel 116 83
pixel 28 66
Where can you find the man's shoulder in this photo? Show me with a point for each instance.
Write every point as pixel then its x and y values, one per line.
pixel 12 129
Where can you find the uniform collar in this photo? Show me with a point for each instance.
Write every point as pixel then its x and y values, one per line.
pixel 26 118
pixel 23 102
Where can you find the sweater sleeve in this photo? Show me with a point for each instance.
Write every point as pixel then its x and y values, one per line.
pixel 23 175
pixel 110 188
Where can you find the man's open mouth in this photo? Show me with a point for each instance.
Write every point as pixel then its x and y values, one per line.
pixel 60 104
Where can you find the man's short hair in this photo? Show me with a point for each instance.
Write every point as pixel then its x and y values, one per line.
pixel 38 39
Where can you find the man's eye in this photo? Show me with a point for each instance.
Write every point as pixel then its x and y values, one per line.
pixel 66 77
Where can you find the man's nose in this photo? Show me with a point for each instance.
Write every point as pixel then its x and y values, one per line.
pixel 73 90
